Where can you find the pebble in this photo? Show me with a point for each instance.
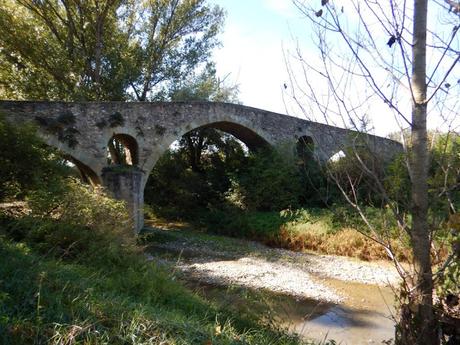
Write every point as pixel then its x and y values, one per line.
pixel 254 265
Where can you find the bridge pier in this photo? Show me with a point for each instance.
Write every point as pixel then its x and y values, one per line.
pixel 125 183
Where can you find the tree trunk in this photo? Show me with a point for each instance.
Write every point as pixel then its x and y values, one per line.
pixel 424 330
pixel 194 151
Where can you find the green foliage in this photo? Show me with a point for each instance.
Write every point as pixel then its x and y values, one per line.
pixel 317 188
pixel 443 182
pixel 26 164
pixel 102 50
pixel 253 225
pixel 397 182
pixel 74 274
pixel 448 284
pixel 205 86
pixel 226 178
pixel 351 174
pixel 270 181
pixel 50 301
pixel 197 173
pixel 174 187
pixel 76 221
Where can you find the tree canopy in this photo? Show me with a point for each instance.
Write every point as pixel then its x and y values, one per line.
pixel 102 50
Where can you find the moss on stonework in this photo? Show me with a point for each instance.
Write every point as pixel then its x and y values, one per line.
pixel 116 119
pixel 61 126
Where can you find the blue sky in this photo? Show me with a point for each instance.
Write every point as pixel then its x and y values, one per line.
pixel 252 53
pixel 255 34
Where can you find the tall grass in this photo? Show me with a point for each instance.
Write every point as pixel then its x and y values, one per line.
pixel 328 231
pixel 71 273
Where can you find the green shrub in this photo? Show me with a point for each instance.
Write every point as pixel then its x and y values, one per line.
pixel 270 182
pixel 78 222
pixel 448 282
pixel 253 225
pixel 175 190
pixel 26 163
pixel 78 203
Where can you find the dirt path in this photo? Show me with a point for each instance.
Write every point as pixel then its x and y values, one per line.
pixel 227 261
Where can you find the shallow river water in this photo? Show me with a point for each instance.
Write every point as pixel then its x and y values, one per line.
pixel 318 297
pixel 364 317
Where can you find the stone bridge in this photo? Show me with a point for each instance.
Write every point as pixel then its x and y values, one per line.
pixel 82 131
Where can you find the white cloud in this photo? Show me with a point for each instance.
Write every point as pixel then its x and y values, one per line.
pixel 255 63
pixel 284 8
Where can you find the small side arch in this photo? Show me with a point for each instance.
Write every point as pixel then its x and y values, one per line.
pixel 87 174
pixel 304 149
pixel 123 149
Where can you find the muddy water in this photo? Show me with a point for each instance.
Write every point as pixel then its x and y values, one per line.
pixel 363 317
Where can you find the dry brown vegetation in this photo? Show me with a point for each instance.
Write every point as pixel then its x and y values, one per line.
pixel 347 242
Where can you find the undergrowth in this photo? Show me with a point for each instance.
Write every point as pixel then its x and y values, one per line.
pixel 327 231
pixel 71 273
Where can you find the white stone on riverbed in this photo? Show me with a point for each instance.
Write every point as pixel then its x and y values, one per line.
pixel 261 274
pixel 253 265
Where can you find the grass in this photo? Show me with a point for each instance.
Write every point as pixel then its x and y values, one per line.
pixel 106 294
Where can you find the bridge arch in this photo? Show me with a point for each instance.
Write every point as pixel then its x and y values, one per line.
pixel 122 149
pixel 304 149
pixel 250 137
pixel 87 174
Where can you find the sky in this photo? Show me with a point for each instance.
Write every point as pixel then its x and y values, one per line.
pixel 252 52
pixel 256 36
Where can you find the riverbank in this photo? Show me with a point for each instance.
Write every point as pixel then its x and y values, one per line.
pixel 63 283
pixel 335 231
pixel 316 296
pixel 215 259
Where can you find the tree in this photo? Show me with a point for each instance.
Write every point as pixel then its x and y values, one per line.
pixel 195 173
pixel 105 50
pixel 381 48
pixel 206 86
pixel 26 163
pixel 102 50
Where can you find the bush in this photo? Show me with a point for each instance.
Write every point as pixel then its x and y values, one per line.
pixel 26 163
pixel 253 225
pixel 270 182
pixel 79 221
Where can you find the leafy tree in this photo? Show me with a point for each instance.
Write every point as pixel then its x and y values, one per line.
pixel 270 181
pixel 102 50
pixel 197 171
pixel 444 173
pixel 64 50
pixel 206 86
pixel 175 189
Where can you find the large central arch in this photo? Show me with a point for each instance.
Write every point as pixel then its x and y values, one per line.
pixel 247 135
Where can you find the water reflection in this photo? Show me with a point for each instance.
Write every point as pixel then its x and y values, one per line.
pixel 364 317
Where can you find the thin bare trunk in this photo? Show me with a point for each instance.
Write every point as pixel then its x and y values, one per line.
pixel 422 297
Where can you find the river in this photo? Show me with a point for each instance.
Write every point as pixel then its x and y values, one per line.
pixel 363 318
pixel 318 297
